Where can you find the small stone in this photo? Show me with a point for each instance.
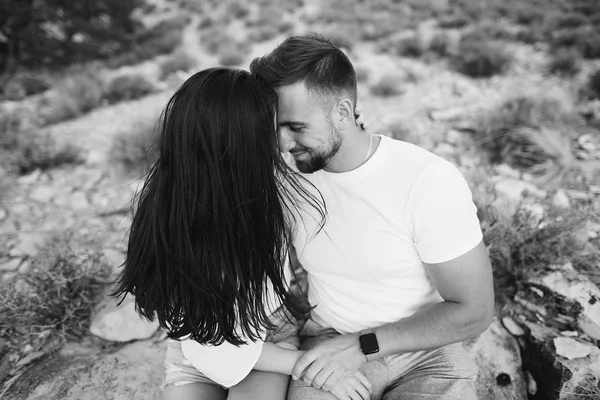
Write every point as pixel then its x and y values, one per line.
pixel 121 323
pixel 43 194
pixel 25 267
pixel 569 333
pixel 531 384
pixel 79 201
pixel 31 178
pixel 589 321
pixel 595 189
pixel 508 171
pixel 511 326
pixel 571 348
pixel 28 244
pixel 561 200
pixel 3 214
pixel 444 149
pixel 503 379
pixel 454 137
pixel 11 265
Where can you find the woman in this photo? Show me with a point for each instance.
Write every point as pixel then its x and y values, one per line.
pixel 208 244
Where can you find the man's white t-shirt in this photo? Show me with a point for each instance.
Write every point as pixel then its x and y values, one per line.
pixel 403 207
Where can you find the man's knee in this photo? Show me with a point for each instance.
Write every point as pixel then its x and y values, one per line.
pixel 301 391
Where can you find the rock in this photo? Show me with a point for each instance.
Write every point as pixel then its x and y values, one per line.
pixel 511 326
pixel 449 114
pixel 134 372
pixel 454 137
pixel 589 321
pixel 561 200
pixel 43 194
pixel 11 265
pixel 571 348
pixel 512 191
pixel 557 377
pixel 31 178
pixel 114 258
pixel 531 384
pixel 444 150
pixel 3 214
pixel 121 323
pixel 497 355
pixel 25 267
pixel 507 171
pixel 28 244
pixel 79 201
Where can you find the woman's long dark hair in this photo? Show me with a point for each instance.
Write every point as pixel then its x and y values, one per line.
pixel 212 222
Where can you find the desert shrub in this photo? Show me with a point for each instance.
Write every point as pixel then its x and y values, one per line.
pixel 377 30
pixel 585 40
pixel 564 21
pixel 56 296
pixel 594 83
pixel 362 74
pixel 132 150
pixel 529 132
pixel 215 40
pixel 237 9
pixel 75 94
pixel 439 44
pixel 387 86
pixel 525 14
pixel 590 46
pixel 206 22
pixel 128 87
pixel 565 61
pixel 230 57
pixel 536 236
pixel 401 131
pixel 479 58
pixel 453 21
pixel 179 61
pixel 263 33
pixel 25 84
pixel 285 26
pixel 409 46
pixel 25 148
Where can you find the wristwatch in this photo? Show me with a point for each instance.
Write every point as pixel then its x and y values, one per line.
pixel 368 342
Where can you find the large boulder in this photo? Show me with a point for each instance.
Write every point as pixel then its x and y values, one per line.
pixel 496 353
pixel 134 372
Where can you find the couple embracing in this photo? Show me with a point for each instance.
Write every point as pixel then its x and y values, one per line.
pixel 387 233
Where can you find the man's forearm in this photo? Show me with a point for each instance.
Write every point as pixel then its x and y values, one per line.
pixel 434 326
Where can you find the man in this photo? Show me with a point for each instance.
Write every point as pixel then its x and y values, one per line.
pixel 398 273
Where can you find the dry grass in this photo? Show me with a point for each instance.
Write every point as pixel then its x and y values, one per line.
pixel 75 94
pixel 132 150
pixel 530 132
pixel 178 61
pixel 128 87
pixel 24 148
pixel 388 85
pixel 56 296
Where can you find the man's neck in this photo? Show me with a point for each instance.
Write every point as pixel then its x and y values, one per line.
pixel 353 152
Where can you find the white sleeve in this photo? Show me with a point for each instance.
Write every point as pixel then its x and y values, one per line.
pixel 225 364
pixel 443 215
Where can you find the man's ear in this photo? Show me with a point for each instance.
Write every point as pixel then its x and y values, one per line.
pixel 344 113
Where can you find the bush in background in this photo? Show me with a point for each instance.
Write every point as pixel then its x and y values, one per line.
pixel 530 132
pixel 565 61
pixel 25 84
pixel 387 86
pixel 230 57
pixel 128 87
pixel 132 150
pixel 439 44
pixel 479 58
pixel 75 94
pixel 56 296
pixel 263 33
pixel 179 61
pixel 407 46
pixel 594 83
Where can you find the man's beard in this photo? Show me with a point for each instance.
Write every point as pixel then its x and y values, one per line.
pixel 319 158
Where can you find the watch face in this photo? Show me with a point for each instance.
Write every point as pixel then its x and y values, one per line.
pixel 368 343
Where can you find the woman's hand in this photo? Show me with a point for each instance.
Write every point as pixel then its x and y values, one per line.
pixel 353 387
pixel 359 118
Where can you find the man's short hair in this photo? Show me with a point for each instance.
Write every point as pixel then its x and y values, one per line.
pixel 313 60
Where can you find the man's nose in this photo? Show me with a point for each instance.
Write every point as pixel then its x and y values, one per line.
pixel 286 142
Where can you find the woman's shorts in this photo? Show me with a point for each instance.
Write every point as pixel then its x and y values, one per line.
pixel 179 371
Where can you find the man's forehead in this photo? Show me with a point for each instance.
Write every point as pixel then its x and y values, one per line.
pixel 295 102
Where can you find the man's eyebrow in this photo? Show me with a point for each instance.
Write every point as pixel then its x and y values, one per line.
pixel 291 123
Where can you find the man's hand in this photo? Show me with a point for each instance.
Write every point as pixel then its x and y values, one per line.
pixel 354 387
pixel 330 361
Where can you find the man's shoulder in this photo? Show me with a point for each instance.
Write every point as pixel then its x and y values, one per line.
pixel 410 160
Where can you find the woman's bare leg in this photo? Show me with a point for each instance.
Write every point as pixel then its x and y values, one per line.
pixel 260 385
pixel 194 391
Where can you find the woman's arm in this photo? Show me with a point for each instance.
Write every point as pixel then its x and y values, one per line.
pixel 277 358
